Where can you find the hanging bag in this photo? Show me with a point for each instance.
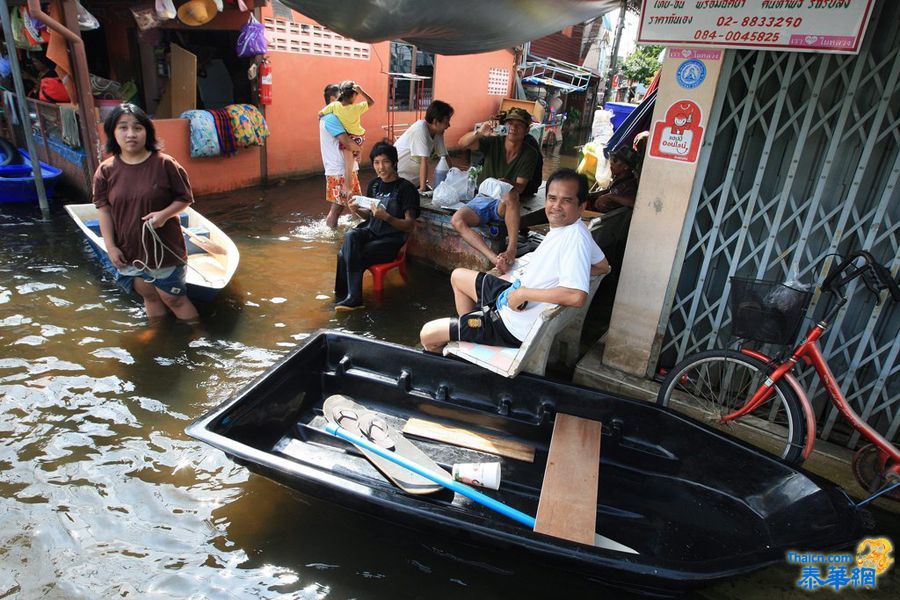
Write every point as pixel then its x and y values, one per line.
pixel 252 39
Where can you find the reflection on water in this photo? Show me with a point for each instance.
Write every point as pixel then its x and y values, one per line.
pixel 101 493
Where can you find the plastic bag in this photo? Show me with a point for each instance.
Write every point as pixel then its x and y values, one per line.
pixel 603 175
pixel 145 18
pixel 452 189
pixel 165 10
pixel 785 297
pixel 494 188
pixel 601 128
pixel 252 39
pixel 86 21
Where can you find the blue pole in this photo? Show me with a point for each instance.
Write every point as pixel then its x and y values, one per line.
pixel 460 488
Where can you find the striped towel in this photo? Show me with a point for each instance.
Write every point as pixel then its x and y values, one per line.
pixel 224 131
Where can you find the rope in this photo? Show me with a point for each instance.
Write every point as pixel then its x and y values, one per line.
pixel 159 249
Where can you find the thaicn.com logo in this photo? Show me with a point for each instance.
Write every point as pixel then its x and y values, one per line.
pixel 845 570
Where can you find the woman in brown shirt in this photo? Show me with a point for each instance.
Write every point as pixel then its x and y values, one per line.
pixel 135 189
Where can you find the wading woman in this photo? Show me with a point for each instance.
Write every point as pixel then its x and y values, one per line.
pixel 384 229
pixel 139 192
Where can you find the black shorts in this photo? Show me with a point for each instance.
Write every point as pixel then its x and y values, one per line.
pixel 484 325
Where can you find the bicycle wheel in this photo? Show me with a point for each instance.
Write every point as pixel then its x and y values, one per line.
pixel 711 384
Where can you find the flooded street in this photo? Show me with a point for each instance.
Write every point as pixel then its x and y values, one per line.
pixel 102 494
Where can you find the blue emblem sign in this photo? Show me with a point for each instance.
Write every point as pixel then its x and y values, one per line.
pixel 690 73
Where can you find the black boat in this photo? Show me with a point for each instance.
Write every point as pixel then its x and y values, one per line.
pixel 694 505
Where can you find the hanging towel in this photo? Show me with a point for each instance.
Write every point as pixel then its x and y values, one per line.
pixel 249 125
pixel 69 125
pixel 204 139
pixel 224 131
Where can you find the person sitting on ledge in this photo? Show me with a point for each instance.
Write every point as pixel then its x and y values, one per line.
pixel 507 158
pixel 496 312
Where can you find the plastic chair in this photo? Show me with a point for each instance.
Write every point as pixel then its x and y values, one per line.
pixel 380 270
pixel 557 331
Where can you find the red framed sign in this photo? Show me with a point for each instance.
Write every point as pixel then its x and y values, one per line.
pixel 796 25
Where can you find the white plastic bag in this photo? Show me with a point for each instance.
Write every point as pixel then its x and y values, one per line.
pixel 165 10
pixel 452 189
pixel 603 175
pixel 494 188
pixel 86 21
pixel 601 128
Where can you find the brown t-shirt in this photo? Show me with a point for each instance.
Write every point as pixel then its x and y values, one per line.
pixel 133 191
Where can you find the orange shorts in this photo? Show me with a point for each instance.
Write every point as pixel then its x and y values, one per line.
pixel 333 185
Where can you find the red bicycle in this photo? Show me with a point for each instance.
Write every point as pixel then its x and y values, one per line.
pixel 724 386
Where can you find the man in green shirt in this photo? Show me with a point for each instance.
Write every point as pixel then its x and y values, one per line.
pixel 506 158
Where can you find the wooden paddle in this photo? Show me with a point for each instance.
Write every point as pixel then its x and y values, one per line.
pixel 205 244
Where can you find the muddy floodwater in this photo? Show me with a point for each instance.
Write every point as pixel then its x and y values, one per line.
pixel 102 495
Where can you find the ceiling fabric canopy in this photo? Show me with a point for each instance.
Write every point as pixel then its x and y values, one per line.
pixel 454 26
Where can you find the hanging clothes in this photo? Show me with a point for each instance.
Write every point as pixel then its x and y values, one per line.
pixel 204 138
pixel 248 124
pixel 69 126
pixel 224 131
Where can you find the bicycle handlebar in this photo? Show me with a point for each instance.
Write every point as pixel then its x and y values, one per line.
pixel 875 276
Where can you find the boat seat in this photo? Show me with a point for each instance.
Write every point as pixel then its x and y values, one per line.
pixel 380 270
pixel 568 504
pixel 556 331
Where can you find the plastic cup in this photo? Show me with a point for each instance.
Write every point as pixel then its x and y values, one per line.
pixel 486 475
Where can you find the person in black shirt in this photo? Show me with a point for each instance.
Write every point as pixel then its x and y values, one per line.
pixel 383 231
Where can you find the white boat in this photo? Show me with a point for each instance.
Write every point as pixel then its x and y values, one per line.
pixel 212 260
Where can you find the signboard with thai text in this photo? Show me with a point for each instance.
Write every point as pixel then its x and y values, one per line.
pixel 793 25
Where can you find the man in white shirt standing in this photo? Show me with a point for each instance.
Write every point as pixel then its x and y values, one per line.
pixel 331 135
pixel 423 138
pixel 497 312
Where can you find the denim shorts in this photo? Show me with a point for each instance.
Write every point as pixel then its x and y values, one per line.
pixel 486 209
pixel 171 280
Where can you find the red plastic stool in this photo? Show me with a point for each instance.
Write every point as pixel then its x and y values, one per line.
pixel 380 270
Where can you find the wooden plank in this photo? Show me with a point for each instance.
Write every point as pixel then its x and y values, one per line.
pixel 485 442
pixel 182 80
pixel 568 505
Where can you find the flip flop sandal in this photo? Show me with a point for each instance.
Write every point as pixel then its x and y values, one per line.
pixel 370 425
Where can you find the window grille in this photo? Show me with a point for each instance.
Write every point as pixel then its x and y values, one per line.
pixel 498 82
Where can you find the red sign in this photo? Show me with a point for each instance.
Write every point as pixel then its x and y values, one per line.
pixel 678 137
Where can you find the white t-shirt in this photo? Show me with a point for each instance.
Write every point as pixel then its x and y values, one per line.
pixel 332 157
pixel 413 144
pixel 563 259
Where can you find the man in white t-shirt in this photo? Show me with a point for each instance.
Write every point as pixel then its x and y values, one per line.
pixel 497 312
pixel 332 134
pixel 424 138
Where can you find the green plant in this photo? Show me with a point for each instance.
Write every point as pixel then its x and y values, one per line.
pixel 642 64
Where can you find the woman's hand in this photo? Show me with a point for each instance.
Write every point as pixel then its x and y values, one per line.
pixel 379 213
pixel 157 219
pixel 116 256
pixel 357 210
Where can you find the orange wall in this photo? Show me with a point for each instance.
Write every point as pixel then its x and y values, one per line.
pixel 208 175
pixel 298 80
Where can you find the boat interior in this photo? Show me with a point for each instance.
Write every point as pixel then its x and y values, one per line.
pixel 667 487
